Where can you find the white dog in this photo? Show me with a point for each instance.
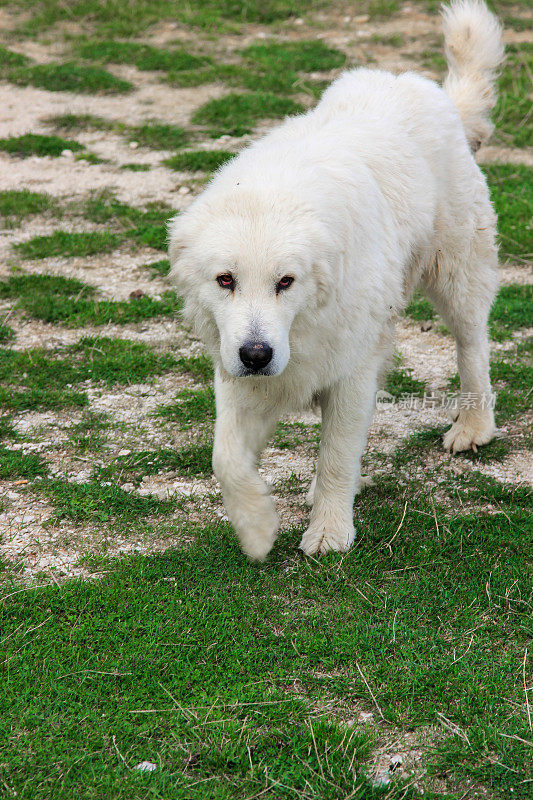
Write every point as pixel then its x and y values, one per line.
pixel 299 256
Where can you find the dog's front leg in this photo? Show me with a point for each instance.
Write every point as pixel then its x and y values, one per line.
pixel 346 414
pixel 240 435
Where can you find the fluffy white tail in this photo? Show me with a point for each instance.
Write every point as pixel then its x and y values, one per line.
pixel 474 50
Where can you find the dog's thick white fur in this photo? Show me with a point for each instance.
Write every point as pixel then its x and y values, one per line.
pixel 359 201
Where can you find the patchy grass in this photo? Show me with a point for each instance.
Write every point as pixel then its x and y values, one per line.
pixel 513 111
pixel 394 40
pixel 512 310
pixel 121 19
pixel 290 435
pixel 6 333
pixel 200 367
pixel 143 56
pixel 415 447
pixel 303 56
pixel 420 309
pixel 146 226
pixel 401 381
pixel 15 204
pixel 158 136
pixel 70 302
pixel 512 379
pixel 136 167
pixel 37 144
pixel 255 76
pixel 79 122
pixel 192 406
pixel 7 431
pixel 252 676
pixel 94 501
pixel 65 244
pixel 198 160
pixel 69 77
pixel 90 158
pixel 236 114
pixel 16 464
pixel 51 379
pixel 8 58
pixel 159 269
pixel 189 462
pixel 91 432
pixel 512 194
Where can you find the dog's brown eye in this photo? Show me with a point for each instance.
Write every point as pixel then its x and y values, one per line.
pixel 226 281
pixel 284 283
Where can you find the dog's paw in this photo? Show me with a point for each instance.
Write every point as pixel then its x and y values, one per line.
pixel 257 531
pixel 469 431
pixel 318 540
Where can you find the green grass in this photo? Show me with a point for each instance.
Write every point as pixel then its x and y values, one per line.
pixel 10 59
pixel 253 676
pixel 7 431
pixel 91 433
pixel 107 649
pixel 143 56
pixel 200 367
pixel 302 56
pixel 401 381
pixel 6 333
pixel 236 114
pixel 158 136
pixel 290 435
pixel 69 77
pixel 79 122
pixel 15 204
pixel 192 406
pixel 15 464
pixel 136 167
pixel 512 194
pixel 512 378
pixel 70 302
pixel 94 501
pixel 189 462
pixel 420 309
pixel 90 158
pixel 159 268
pixel 272 67
pixel 513 111
pixel 64 244
pixel 415 447
pixel 55 379
pixel 512 310
pixel 36 144
pixel 122 19
pixel 146 226
pixel 198 160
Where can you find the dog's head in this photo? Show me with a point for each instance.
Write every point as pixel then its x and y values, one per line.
pixel 247 266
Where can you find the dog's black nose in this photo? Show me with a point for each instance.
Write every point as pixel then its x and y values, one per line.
pixel 255 355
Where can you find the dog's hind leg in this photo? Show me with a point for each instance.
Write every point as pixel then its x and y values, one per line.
pixel 463 296
pixel 240 435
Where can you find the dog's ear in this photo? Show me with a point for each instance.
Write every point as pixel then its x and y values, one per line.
pixel 181 268
pixel 324 282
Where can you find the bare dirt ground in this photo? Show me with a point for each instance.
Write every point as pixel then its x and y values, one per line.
pixel 45 552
